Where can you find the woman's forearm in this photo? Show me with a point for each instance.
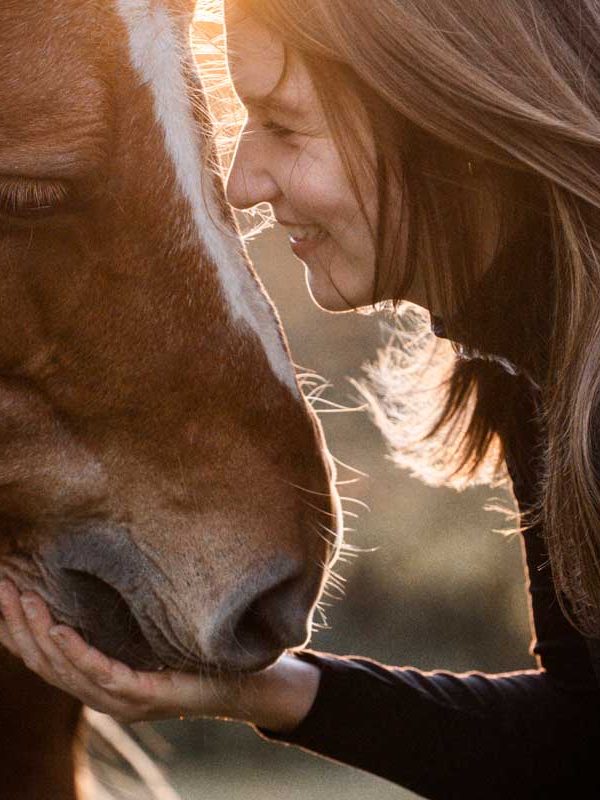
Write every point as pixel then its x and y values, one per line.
pixel 446 736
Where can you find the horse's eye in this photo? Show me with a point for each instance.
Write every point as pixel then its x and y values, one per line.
pixel 31 197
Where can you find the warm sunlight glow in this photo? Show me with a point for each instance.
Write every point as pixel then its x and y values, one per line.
pixel 208 45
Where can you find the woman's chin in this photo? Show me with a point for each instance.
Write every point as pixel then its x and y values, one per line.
pixel 330 298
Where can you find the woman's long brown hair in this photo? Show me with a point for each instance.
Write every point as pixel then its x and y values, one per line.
pixel 474 103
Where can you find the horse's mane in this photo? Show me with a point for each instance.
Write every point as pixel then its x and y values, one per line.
pixel 115 767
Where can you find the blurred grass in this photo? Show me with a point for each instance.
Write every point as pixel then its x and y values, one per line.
pixel 442 589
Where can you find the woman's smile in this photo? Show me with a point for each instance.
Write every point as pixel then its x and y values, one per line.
pixel 304 239
pixel 302 248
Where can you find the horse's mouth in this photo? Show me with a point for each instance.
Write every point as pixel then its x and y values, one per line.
pixel 109 625
pixel 107 621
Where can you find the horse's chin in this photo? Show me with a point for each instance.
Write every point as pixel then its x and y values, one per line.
pixel 209 670
pixel 145 644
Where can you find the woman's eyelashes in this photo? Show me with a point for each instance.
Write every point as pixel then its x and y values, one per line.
pixel 278 130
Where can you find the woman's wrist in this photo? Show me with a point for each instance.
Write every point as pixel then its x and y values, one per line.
pixel 279 698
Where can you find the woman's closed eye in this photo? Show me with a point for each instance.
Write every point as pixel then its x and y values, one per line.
pixel 278 130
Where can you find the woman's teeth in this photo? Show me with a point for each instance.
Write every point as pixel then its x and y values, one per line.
pixel 305 233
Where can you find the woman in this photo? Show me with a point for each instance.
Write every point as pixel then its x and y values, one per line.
pixel 445 152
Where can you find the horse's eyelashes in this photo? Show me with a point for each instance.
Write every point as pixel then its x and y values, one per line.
pixel 31 197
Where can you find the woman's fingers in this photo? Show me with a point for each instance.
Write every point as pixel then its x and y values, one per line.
pixel 91 662
pixel 98 668
pixel 155 694
pixel 27 635
pixel 18 629
pixel 28 620
pixel 6 639
pixel 61 657
pixel 40 624
pixel 151 695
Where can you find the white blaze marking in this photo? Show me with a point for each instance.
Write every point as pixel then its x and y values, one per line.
pixel 155 54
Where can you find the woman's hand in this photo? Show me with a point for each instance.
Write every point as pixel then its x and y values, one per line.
pixel 277 698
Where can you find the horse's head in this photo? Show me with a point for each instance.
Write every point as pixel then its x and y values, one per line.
pixel 162 484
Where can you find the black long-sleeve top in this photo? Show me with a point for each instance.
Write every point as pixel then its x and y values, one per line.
pixel 530 734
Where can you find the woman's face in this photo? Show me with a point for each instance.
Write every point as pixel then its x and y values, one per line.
pixel 286 157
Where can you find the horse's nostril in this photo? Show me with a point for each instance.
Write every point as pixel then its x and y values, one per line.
pixel 105 620
pixel 262 626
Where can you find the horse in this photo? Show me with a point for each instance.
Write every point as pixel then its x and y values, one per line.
pixel 163 484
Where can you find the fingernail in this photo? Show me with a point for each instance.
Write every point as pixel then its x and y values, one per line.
pixel 29 608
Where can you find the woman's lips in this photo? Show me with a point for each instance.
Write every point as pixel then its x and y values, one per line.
pixel 304 247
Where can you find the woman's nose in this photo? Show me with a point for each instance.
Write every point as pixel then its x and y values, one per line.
pixel 250 180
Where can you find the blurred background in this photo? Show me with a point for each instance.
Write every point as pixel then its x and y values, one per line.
pixel 442 587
